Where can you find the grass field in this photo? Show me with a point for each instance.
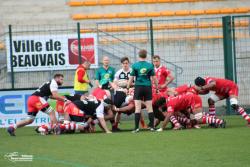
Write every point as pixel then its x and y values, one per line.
pixel 188 148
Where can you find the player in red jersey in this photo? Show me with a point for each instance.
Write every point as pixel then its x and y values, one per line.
pixel 162 74
pixel 38 102
pixel 223 89
pixel 183 89
pixel 191 103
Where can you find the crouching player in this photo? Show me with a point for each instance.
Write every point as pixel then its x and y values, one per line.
pixel 38 102
pixel 223 89
pixel 193 105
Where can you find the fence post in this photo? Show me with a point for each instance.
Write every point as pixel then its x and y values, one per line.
pixel 151 38
pixel 11 58
pixel 229 57
pixel 79 43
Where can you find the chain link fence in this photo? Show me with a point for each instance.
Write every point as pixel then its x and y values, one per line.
pixel 241 38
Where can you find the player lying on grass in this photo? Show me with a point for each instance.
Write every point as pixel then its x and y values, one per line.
pixel 190 103
pixel 223 89
pixel 38 102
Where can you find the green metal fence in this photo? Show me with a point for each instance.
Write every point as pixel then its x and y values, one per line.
pixel 241 47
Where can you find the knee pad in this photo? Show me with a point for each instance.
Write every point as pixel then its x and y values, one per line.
pixel 234 103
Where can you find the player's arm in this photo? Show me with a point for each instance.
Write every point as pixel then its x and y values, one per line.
pixel 104 125
pixel 169 79
pixel 54 92
pixel 131 79
pixel 127 108
pixel 80 74
pixel 209 86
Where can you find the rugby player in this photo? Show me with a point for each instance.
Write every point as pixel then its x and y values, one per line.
pixel 38 102
pixel 224 89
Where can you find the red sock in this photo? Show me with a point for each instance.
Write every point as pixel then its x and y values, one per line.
pixel 174 121
pixel 142 122
pixel 211 110
pixel 115 125
pixel 244 114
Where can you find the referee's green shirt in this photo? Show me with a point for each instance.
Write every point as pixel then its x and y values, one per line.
pixel 105 75
pixel 143 70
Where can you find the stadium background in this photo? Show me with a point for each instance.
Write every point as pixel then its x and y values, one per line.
pixel 187 34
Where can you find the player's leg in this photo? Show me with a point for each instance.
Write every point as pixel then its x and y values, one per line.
pixel 147 95
pixel 237 108
pixel 206 119
pixel 211 104
pixel 175 122
pixel 137 114
pixel 34 105
pixel 142 121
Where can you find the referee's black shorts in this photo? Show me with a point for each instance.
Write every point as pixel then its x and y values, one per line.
pixel 143 93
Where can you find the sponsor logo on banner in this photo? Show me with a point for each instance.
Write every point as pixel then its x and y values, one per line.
pixel 50 52
pixel 87 50
pixel 13 107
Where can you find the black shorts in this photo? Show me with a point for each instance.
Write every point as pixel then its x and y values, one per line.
pixel 119 98
pixel 143 93
pixel 76 118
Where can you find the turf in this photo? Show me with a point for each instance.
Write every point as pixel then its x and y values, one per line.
pixel 188 148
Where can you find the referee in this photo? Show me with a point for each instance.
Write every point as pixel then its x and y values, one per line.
pixel 143 73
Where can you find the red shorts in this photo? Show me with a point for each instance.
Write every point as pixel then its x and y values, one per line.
pixel 72 109
pixel 59 106
pixel 232 91
pixel 36 103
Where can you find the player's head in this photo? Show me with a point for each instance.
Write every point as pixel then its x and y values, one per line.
pixel 105 61
pixel 125 63
pixel 143 54
pixel 86 64
pixel 59 79
pixel 160 102
pixel 199 81
pixel 156 61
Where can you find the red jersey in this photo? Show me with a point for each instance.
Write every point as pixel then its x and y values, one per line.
pixel 186 89
pixel 181 102
pixel 99 93
pixel 161 74
pixel 223 86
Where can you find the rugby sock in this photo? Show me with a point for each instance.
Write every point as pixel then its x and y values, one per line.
pixel 174 121
pixel 183 120
pixel 211 110
pixel 142 123
pixel 244 114
pixel 151 119
pixel 137 120
pixel 71 126
pixel 211 120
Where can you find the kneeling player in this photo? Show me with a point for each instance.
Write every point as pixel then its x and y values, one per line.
pixel 223 89
pixel 183 103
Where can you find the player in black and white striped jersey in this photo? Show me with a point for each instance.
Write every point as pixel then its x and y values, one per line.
pixel 122 75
